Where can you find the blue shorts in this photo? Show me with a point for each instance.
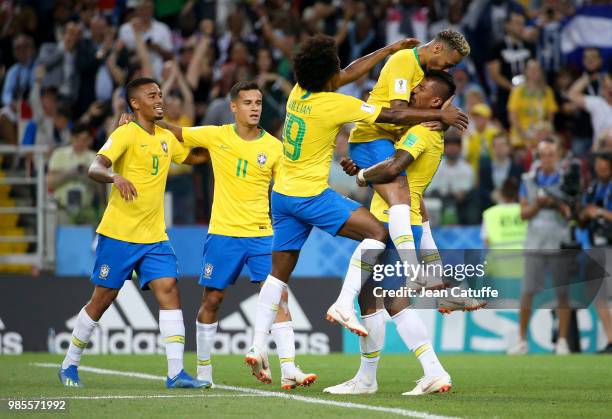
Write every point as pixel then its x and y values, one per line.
pixel 390 257
pixel 371 153
pixel 117 259
pixel 293 217
pixel 225 256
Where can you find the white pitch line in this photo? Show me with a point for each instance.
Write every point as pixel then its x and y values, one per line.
pixel 349 405
pixel 144 396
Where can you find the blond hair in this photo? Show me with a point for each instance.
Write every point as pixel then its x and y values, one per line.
pixel 455 40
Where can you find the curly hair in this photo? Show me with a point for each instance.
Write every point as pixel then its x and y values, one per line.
pixel 316 62
pixel 455 40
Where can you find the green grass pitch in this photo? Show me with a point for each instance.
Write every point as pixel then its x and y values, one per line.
pixel 484 386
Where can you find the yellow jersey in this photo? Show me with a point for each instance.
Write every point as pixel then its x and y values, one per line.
pixel 478 144
pixel 309 138
pixel 399 76
pixel 144 160
pixel 530 108
pixel 426 147
pixel 243 172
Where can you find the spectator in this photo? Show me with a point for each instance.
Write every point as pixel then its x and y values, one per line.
pixel 275 89
pixel 478 138
pixel 238 67
pixel 495 171
pixel 571 121
pixel 599 107
pixel 596 215
pixel 547 229
pixel 453 183
pixel 464 88
pixel 508 59
pixel 237 31
pixel 605 141
pixel 60 63
pixel 547 34
pixel 592 63
pixel 530 103
pixel 155 35
pixel 50 117
pixel 71 189
pixel 19 76
pixel 102 38
pixel 179 108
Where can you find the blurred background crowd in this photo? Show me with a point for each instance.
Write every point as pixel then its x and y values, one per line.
pixel 535 73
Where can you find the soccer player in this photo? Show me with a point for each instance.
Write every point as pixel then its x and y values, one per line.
pixel 419 151
pixel 301 197
pixel 245 159
pixel 372 143
pixel 131 235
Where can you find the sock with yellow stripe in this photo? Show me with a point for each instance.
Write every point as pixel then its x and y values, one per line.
pixel 401 234
pixel 282 334
pixel 431 257
pixel 370 346
pixel 80 338
pixel 360 268
pixel 172 331
pixel 413 332
pixel 205 333
pixel 267 307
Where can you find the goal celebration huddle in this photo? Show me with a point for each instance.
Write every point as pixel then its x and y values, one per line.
pixel 268 196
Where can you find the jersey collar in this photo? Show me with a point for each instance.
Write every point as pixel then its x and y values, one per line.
pixel 416 55
pixel 262 132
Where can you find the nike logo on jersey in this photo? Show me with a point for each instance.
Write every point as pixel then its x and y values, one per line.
pixel 224 147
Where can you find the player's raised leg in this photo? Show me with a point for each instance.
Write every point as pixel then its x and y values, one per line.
pixel 364 227
pixel 86 322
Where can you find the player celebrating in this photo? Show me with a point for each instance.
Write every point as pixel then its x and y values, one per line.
pixel 372 143
pixel 420 151
pixel 245 158
pixel 301 197
pixel 132 232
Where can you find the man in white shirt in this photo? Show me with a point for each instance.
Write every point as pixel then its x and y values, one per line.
pixel 155 34
pixel 599 107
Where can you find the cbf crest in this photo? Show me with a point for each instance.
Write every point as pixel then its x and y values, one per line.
pixel 262 158
pixel 208 270
pixel 164 146
pixel 104 270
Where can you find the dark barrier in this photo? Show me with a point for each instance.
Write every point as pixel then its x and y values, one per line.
pixel 37 314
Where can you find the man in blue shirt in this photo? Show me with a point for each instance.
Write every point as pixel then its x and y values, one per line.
pixel 19 76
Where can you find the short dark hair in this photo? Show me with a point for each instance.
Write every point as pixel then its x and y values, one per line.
pixel 242 85
pixel 510 189
pixel 79 128
pixel 316 62
pixel 133 85
pixel 64 109
pixel 445 85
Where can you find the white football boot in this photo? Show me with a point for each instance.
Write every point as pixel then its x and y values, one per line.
pixel 299 378
pixel 258 361
pixel 521 348
pixel 355 385
pixel 562 347
pixel 428 385
pixel 447 305
pixel 347 318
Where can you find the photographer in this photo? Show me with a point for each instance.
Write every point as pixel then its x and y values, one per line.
pixel 547 229
pixel 596 216
pixel 67 179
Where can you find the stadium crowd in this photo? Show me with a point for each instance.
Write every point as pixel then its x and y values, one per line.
pixel 63 65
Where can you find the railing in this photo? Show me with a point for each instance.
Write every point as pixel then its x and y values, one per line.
pixel 36 258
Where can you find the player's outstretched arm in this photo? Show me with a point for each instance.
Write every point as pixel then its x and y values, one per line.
pixel 451 116
pixel 177 131
pixel 363 65
pixel 197 155
pixel 100 171
pixel 386 170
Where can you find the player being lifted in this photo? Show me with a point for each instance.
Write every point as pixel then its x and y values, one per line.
pixel 132 234
pixel 372 143
pixel 419 152
pixel 301 197
pixel 245 159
